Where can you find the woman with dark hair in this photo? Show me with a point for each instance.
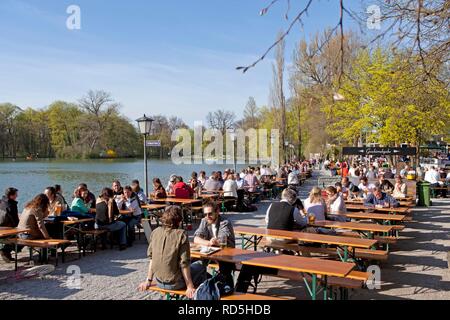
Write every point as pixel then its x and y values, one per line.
pixel 170 257
pixel 33 217
pixel 105 217
pixel 78 203
pixel 158 190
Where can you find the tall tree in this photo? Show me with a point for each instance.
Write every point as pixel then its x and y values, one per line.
pixel 278 99
pixel 99 107
pixel 251 114
pixel 221 120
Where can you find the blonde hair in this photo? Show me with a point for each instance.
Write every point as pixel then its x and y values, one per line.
pixel 315 196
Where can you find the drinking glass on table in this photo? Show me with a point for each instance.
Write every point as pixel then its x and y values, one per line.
pixel 311 219
pixel 223 241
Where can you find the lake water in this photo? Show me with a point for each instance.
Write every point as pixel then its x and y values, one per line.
pixel 32 177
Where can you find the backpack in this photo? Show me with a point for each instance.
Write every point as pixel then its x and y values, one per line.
pixel 208 291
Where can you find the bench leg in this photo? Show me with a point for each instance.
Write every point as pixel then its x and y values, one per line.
pixel 15 256
pixel 63 254
pixel 56 255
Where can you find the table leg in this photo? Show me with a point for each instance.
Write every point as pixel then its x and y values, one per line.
pixel 255 243
pixel 15 255
pixel 325 289
pixel 314 287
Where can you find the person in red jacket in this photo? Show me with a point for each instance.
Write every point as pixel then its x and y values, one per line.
pixel 182 190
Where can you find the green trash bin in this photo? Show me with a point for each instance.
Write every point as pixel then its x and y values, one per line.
pixel 424 192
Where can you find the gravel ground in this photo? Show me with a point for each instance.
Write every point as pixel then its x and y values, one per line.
pixel 417 267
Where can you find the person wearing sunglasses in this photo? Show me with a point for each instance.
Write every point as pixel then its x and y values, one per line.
pixel 216 231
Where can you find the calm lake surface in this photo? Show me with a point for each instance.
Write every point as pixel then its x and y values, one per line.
pixel 32 177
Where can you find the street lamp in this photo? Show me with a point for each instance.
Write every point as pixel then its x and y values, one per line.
pixel 233 136
pixel 145 127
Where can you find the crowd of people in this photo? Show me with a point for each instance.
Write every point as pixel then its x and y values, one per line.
pixel 171 266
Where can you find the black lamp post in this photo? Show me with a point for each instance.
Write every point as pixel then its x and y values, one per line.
pixel 233 136
pixel 145 127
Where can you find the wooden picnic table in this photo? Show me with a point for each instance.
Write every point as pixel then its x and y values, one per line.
pixel 6 233
pixel 361 207
pixel 154 207
pixel 181 202
pixel 361 202
pixel 344 243
pixel 361 228
pixel 312 266
pixel 375 216
pixel 9 232
pixel 230 255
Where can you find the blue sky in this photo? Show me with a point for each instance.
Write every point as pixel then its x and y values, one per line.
pixel 172 57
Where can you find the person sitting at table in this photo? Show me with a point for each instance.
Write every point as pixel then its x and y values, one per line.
pixel 251 182
pixel 139 192
pixel 78 204
pixel 230 187
pixel 365 187
pixel 170 257
pixel 117 189
pixel 9 218
pixel 182 190
pixel 316 206
pixel 285 215
pixel 371 173
pixel 293 179
pixel 216 231
pixel 202 178
pixel 158 190
pixel 130 202
pixel 194 182
pixel 380 199
pixel 33 218
pixel 385 185
pixel 56 206
pixel 335 205
pixel 106 214
pixel 220 178
pixel 89 199
pixel 60 197
pixel 171 184
pixel 212 184
pixel 400 188
pixel 347 185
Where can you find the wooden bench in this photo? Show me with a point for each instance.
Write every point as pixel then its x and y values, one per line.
pixel 44 244
pixel 338 286
pixel 181 295
pixel 364 254
pixel 95 234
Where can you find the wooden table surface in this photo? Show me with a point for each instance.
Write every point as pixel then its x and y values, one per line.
pixel 368 227
pixel 70 222
pixel 302 264
pixel 124 212
pixel 403 203
pixel 231 255
pixel 401 210
pixel 8 232
pixel 307 237
pixel 154 206
pixel 178 200
pixel 375 216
